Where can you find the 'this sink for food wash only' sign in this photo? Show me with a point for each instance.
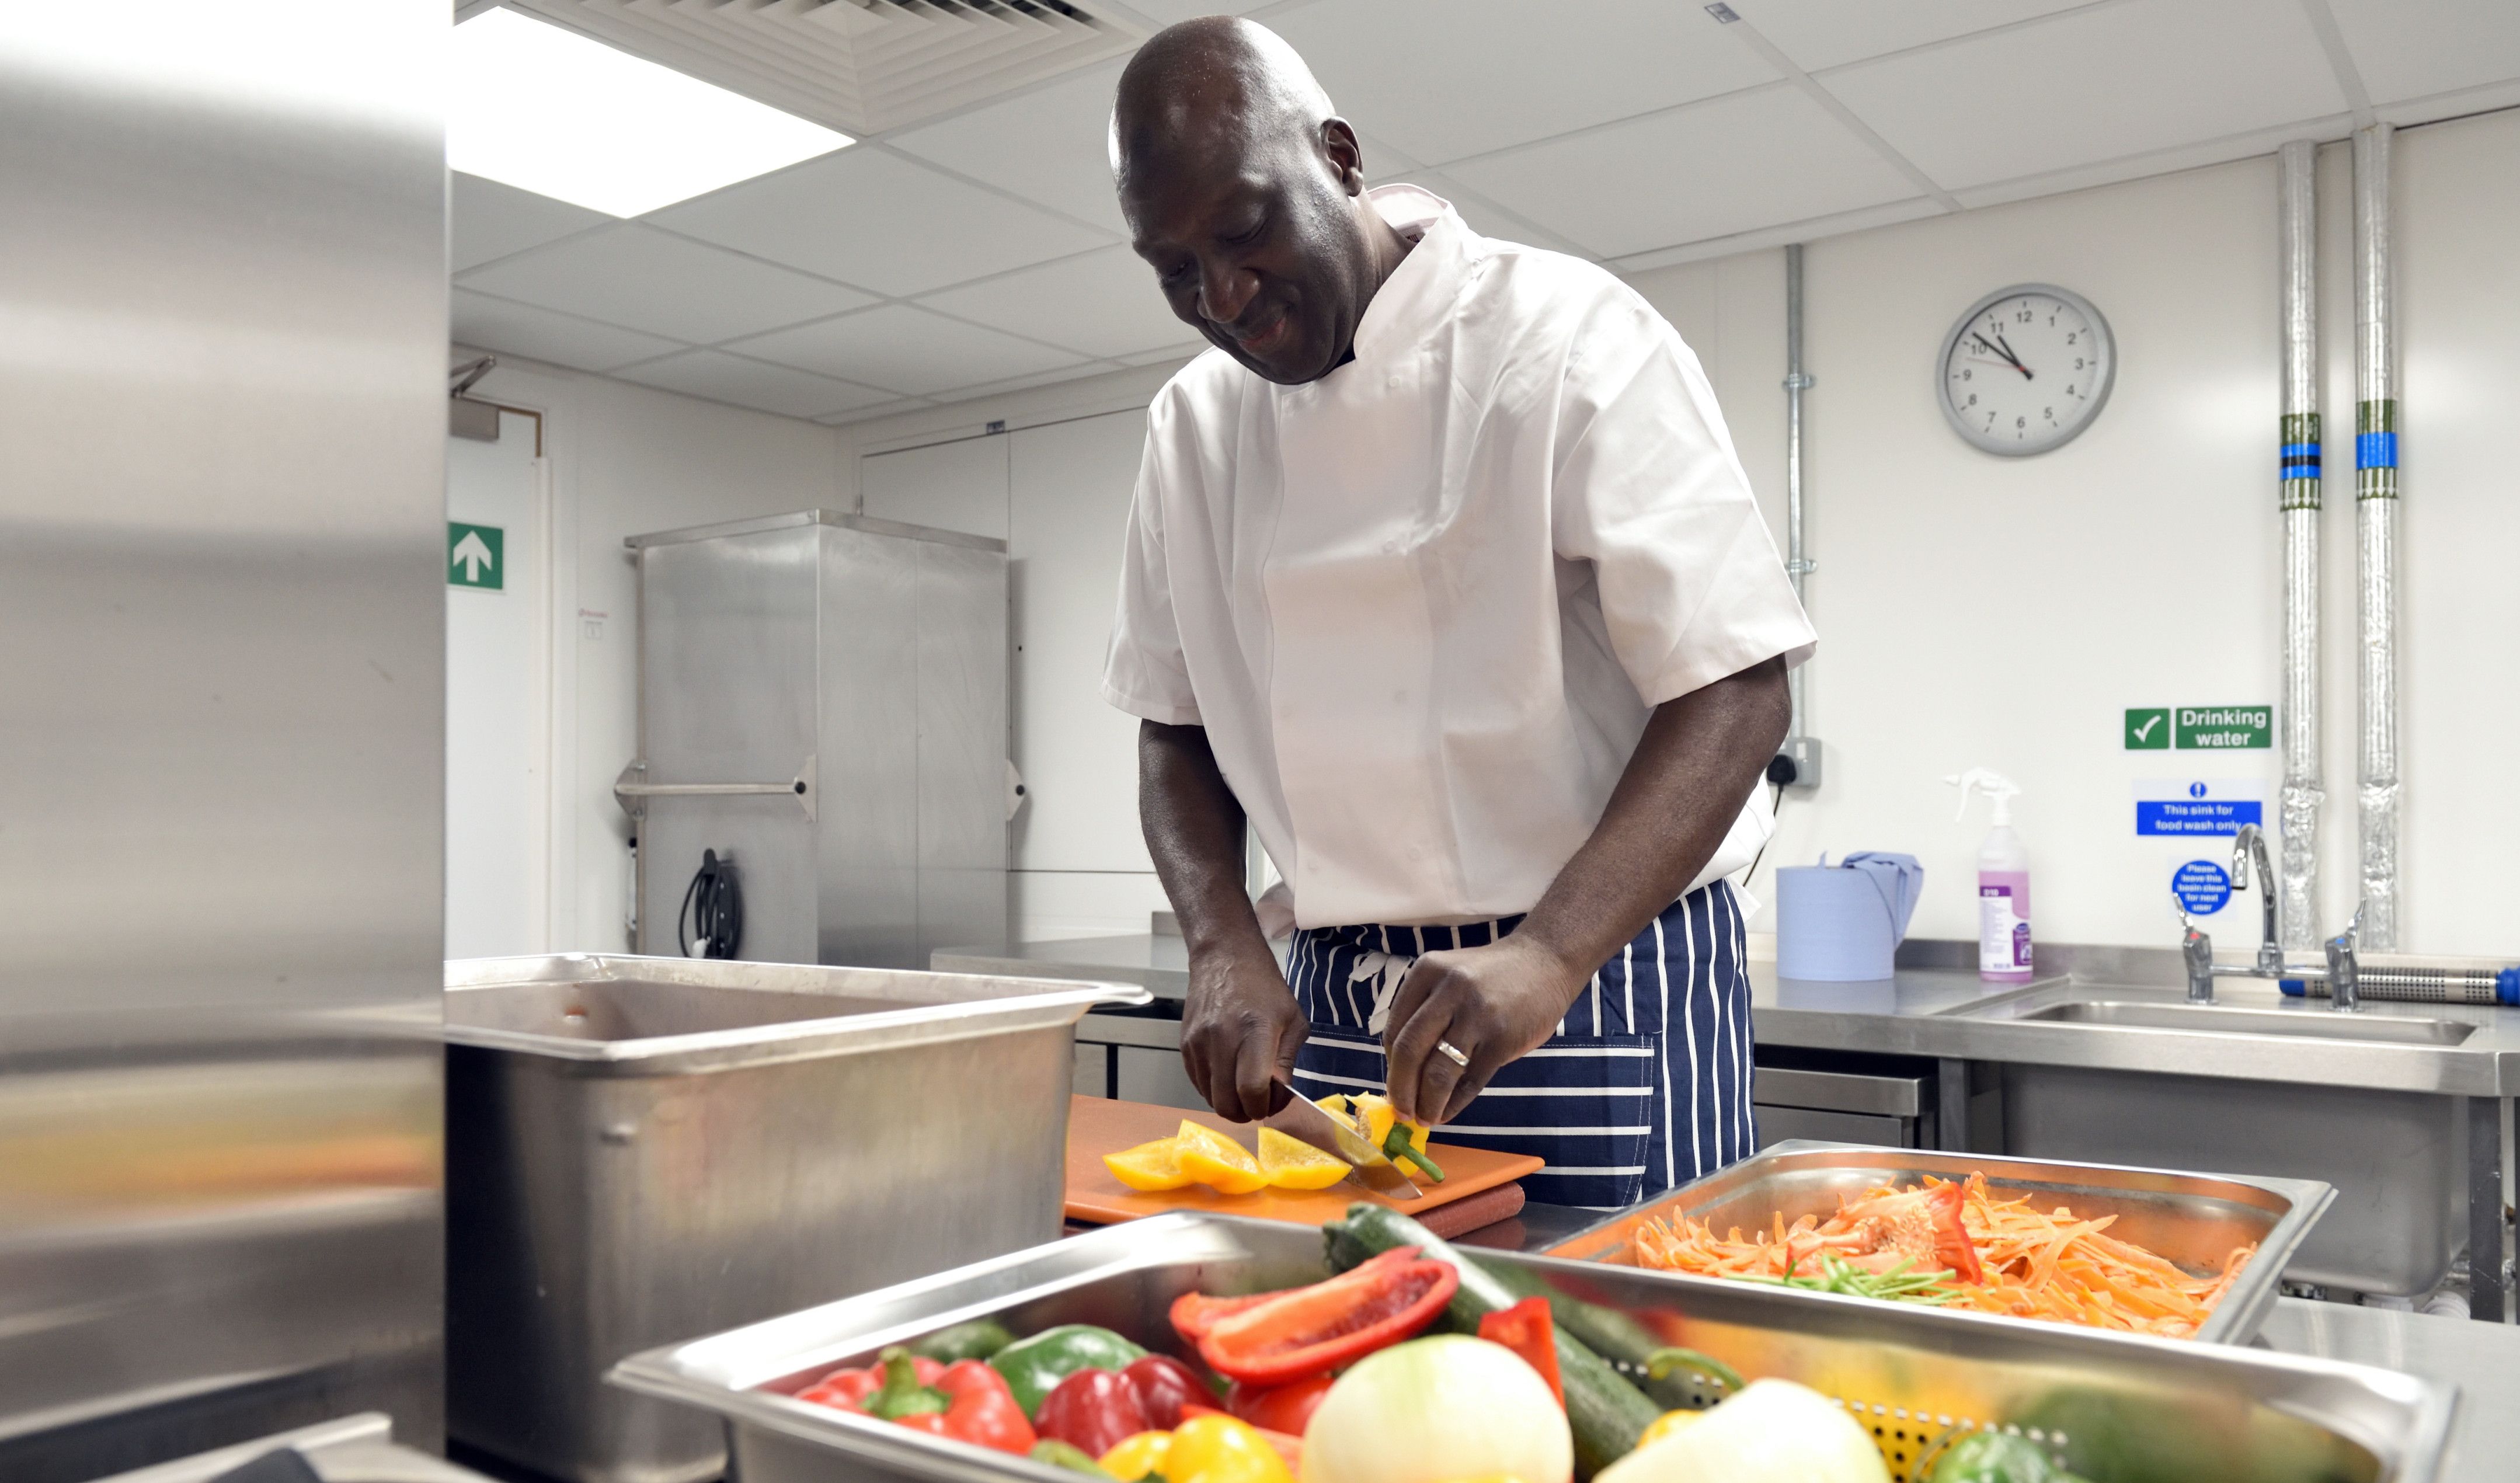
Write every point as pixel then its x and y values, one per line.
pixel 2199 728
pixel 2199 805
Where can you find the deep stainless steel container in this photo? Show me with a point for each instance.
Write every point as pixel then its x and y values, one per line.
pixel 2194 1220
pixel 642 1149
pixel 2112 1406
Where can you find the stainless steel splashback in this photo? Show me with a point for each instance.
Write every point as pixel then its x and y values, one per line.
pixel 825 695
pixel 222 418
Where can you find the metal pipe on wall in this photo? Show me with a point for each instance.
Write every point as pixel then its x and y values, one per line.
pixel 2375 512
pixel 1803 752
pixel 2305 790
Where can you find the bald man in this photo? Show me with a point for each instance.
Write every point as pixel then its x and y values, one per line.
pixel 1442 576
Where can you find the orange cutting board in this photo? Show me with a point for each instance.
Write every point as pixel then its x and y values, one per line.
pixel 1097 1125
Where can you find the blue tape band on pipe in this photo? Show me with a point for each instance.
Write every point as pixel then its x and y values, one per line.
pixel 2376 450
pixel 2506 985
pixel 2309 451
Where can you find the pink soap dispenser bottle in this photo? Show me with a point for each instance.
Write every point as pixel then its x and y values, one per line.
pixel 2003 881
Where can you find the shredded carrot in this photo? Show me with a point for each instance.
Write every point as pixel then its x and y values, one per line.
pixel 2047 1265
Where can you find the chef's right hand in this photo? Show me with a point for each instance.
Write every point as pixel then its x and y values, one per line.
pixel 1241 1030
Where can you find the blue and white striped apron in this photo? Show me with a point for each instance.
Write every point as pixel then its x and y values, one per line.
pixel 1645 1085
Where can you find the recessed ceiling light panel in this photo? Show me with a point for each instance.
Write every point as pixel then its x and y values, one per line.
pixel 548 111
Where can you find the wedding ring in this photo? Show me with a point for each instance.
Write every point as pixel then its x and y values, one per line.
pixel 1455 1051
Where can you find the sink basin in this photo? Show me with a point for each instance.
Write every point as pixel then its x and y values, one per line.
pixel 2322 1025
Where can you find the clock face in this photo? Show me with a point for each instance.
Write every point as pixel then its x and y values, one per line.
pixel 2026 369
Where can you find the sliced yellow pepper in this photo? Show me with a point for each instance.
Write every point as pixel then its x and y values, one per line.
pixel 1149 1166
pixel 1375 1118
pixel 1216 1160
pixel 1290 1163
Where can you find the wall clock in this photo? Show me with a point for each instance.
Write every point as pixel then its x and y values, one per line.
pixel 2026 370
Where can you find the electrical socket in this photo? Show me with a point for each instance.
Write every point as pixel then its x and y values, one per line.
pixel 1796 763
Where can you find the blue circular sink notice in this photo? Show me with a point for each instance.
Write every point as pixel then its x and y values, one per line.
pixel 2202 886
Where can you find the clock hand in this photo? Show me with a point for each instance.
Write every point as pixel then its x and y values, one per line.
pixel 2015 359
pixel 2004 355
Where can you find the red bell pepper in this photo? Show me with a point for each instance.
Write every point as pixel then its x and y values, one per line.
pixel 1529 1330
pixel 1286 1408
pixel 1306 1332
pixel 1093 1409
pixel 1164 1385
pixel 965 1400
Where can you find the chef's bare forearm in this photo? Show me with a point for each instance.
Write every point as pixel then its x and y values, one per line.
pixel 1699 757
pixel 1194 830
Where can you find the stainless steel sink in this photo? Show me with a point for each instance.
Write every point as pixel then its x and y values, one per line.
pixel 2398 1159
pixel 2323 1024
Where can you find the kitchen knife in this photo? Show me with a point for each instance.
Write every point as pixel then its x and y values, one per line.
pixel 1303 1120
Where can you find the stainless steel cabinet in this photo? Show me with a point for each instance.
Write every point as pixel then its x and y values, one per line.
pixel 823 698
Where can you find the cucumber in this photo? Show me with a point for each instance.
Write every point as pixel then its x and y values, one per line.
pixel 1605 1413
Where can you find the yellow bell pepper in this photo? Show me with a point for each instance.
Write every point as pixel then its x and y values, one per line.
pixel 1205 1449
pixel 1136 1457
pixel 1219 1448
pixel 1669 1423
pixel 1379 1121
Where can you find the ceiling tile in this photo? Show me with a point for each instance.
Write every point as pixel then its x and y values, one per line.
pixel 1447 78
pixel 490 220
pixel 873 218
pixel 1099 304
pixel 1051 146
pixel 2412 48
pixel 1818 33
pixel 870 413
pixel 1733 164
pixel 2093 85
pixel 648 280
pixel 1186 351
pixel 908 350
pixel 563 340
pixel 1173 12
pixel 1018 383
pixel 723 378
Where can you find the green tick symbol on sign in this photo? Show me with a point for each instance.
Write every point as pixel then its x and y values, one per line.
pixel 2147 730
pixel 474 556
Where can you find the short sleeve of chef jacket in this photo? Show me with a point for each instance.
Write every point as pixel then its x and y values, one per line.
pixel 1649 492
pixel 1143 673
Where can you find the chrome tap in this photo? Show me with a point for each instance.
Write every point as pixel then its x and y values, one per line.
pixel 2198 950
pixel 2252 842
pixel 2344 975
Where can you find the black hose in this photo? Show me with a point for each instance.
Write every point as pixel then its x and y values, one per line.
pixel 713 906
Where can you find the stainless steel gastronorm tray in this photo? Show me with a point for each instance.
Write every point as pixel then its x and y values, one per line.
pixel 2194 1220
pixel 2115 1407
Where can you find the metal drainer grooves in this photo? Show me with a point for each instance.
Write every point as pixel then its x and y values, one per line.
pixel 1910 1442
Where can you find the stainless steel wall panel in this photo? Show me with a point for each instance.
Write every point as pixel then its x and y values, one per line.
pixel 222 401
pixel 729 640
pixel 773 845
pixel 868 852
pixel 962 746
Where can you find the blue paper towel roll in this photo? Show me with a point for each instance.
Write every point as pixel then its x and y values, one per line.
pixel 1845 922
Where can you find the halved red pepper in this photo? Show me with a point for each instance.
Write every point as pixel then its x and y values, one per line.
pixel 965 1400
pixel 1093 1411
pixel 1529 1330
pixel 1286 1408
pixel 1305 1332
pixel 1164 1385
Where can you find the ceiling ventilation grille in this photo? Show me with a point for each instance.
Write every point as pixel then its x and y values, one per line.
pixel 861 66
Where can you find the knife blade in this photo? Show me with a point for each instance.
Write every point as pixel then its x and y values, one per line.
pixel 1306 1122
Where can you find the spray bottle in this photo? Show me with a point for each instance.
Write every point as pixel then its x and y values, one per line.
pixel 2003 881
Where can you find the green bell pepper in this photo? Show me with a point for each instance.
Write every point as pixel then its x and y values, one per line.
pixel 1034 1366
pixel 1992 1457
pixel 975 1341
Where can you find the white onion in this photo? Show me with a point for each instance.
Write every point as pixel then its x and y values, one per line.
pixel 1435 1409
pixel 1776 1432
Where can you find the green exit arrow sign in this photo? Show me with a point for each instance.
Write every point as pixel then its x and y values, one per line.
pixel 476 556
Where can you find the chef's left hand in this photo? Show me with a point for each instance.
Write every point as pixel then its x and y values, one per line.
pixel 1493 1003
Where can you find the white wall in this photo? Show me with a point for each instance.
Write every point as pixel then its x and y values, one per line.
pixel 1979 610
pixel 1982 611
pixel 626 460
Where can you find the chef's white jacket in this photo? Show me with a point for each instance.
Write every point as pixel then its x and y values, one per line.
pixel 1425 604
